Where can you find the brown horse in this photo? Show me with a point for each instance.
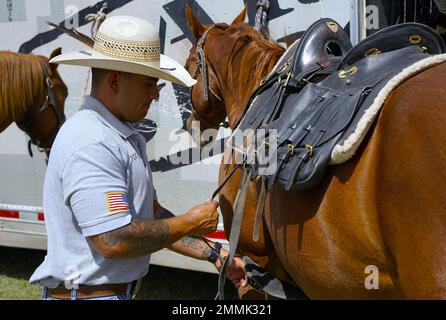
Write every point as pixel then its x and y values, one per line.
pixel 374 227
pixel 32 94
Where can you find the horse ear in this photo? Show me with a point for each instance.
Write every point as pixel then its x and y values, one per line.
pixel 194 24
pixel 241 17
pixel 55 53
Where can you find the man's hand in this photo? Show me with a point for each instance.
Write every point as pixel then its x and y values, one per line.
pixel 235 271
pixel 204 217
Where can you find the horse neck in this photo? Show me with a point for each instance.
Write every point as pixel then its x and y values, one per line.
pixel 243 75
pixel 21 86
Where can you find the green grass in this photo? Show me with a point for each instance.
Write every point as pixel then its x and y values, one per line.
pixel 17 265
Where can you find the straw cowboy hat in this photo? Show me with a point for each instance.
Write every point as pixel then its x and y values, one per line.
pixel 127 44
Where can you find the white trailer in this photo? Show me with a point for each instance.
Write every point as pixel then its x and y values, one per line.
pixel 23 28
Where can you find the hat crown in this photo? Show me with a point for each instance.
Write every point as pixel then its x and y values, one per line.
pixel 128 38
pixel 129 28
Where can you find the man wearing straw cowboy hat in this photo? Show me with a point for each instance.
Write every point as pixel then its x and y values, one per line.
pixel 102 216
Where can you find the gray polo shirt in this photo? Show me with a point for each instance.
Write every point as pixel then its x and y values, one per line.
pixel 97 179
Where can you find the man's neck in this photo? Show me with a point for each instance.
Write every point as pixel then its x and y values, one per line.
pixel 106 103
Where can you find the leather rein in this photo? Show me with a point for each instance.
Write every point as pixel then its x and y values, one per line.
pixel 50 101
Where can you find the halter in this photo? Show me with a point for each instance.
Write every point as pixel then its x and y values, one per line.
pixel 202 68
pixel 50 101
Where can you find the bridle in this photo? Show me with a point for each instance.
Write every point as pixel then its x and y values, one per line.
pixel 202 67
pixel 50 101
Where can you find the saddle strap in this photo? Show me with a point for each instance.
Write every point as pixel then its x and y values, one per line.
pixel 260 208
pixel 236 227
pixel 272 95
pixel 277 106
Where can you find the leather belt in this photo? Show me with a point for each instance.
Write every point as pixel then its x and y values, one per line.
pixel 85 292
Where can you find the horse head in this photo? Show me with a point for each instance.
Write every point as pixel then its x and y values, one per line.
pixel 45 114
pixel 209 64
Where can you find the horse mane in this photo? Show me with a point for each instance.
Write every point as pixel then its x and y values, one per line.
pixel 21 81
pixel 258 59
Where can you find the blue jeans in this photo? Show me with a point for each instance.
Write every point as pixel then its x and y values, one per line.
pixel 127 296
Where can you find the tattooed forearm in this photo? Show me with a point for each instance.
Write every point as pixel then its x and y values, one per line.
pixel 193 243
pixel 137 239
pixel 191 247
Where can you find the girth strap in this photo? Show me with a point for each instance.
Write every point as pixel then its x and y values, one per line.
pixel 259 211
pixel 236 227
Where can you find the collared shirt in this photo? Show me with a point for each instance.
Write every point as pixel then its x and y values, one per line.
pixel 98 178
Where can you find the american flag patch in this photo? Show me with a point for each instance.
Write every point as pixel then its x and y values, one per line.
pixel 117 201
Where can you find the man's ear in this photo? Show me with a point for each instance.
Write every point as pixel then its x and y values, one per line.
pixel 113 80
pixel 241 17
pixel 194 24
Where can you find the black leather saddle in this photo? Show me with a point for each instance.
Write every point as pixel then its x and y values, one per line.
pixel 320 92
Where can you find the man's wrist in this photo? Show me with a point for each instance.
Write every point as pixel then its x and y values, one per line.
pixel 212 254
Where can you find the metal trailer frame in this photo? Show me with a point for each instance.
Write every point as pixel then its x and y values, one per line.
pixel 358 30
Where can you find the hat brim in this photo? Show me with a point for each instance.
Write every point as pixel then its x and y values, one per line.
pixel 166 69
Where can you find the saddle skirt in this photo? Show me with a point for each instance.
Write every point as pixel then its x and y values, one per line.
pixel 315 109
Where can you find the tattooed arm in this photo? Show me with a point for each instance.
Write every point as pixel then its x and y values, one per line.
pixel 142 237
pixel 189 246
